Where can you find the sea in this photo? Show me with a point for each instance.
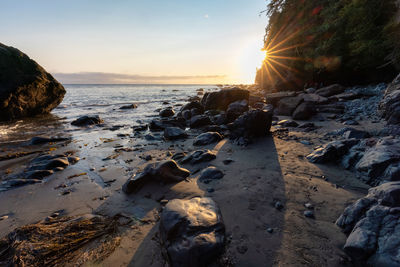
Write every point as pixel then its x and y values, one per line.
pixel 105 101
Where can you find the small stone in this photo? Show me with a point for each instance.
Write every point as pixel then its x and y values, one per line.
pixel 278 205
pixel 270 230
pixel 309 213
pixel 309 206
pixel 164 201
pixel 148 158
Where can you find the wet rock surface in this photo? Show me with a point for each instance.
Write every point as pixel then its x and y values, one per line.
pixel 210 173
pixel 372 224
pixel 332 151
pixel 26 89
pixel 87 121
pixel 253 123
pixel 165 171
pixel 192 231
pixel 198 156
pixel 174 133
pixel 220 100
pixel 207 138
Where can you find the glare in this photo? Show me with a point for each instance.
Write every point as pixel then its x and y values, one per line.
pixel 251 58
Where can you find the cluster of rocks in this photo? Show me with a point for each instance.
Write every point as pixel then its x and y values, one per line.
pixel 344 103
pixel 373 226
pixel 39 168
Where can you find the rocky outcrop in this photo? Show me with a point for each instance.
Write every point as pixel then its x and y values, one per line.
pixel 373 225
pixel 253 123
pixel 331 90
pixel 174 133
pixel 274 98
pixel 287 105
pixel 165 171
pixel 26 89
pixel 236 109
pixel 192 231
pixel 390 105
pixel 87 121
pixel 220 100
pixel 332 151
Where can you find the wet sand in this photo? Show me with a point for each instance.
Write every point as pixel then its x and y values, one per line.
pixel 268 170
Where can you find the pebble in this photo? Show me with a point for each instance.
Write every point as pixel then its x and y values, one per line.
pixel 270 230
pixel 309 214
pixel 309 206
pixel 5 217
pixel 278 205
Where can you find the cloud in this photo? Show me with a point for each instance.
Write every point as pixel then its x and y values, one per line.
pixel 206 16
pixel 117 78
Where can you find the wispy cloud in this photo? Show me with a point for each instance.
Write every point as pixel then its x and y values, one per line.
pixel 117 78
pixel 206 16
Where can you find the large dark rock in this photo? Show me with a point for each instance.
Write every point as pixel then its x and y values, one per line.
pixel 373 225
pixel 174 133
pixel 253 123
pixel 210 173
pixel 304 111
pixel 87 121
pixel 26 89
pixel 331 90
pixel 236 109
pixel 274 98
pixel 220 100
pixel 167 112
pixel 38 140
pixel 192 232
pixel 160 125
pixel 199 121
pixel 377 158
pixel 287 105
pixel 332 151
pixel 165 171
pixel 207 138
pixel 199 156
pixel 193 105
pixel 390 104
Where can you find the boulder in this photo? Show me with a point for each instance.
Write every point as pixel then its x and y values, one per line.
pixel 207 138
pixel 165 171
pixel 390 104
pixel 192 232
pixel 174 133
pixel 288 123
pixel 192 105
pixel 199 121
pixel 160 125
pixel 331 90
pixel 167 112
pixel 377 158
pixel 274 98
pixel 26 89
pixel 332 151
pixel 287 105
pixel 130 106
pixel 304 111
pixel 354 133
pixel 372 224
pixel 236 109
pixel 199 156
pixel 314 99
pixel 253 123
pixel 220 100
pixel 210 173
pixel 87 121
pixel 38 140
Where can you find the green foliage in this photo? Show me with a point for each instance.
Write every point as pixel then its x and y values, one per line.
pixel 346 41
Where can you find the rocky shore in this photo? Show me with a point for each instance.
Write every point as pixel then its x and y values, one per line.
pixel 234 177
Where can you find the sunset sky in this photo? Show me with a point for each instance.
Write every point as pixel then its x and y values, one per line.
pixel 138 41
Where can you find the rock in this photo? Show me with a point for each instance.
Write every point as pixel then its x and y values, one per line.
pixel 148 158
pixel 308 213
pixel 390 104
pixel 140 128
pixel 38 140
pixel 304 111
pixel 286 106
pixel 227 161
pixel 26 89
pixel 306 125
pixel 199 156
pixel 314 99
pixel 87 120
pixel 376 159
pixel 130 106
pixel 192 231
pixel 357 134
pixel 392 172
pixel 332 151
pixel 372 224
pixel 38 174
pixel 192 105
pixel 350 122
pixel 57 162
pixel 210 173
pixel 174 133
pixel 167 112
pixel 278 205
pixel 288 123
pixel 345 96
pixel 236 109
pixel 310 90
pixel 199 121
pixel 220 100
pixel 331 90
pixel 305 142
pixel 179 155
pixel 207 138
pixel 253 123
pixel 160 125
pixel 220 119
pixel 165 171
pixel 274 98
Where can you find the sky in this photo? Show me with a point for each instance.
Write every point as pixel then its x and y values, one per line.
pixel 138 41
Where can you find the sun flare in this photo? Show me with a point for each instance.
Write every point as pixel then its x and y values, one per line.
pixel 251 58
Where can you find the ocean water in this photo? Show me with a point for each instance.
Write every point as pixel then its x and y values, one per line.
pixel 102 100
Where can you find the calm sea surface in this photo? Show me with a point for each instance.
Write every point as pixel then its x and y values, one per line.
pixel 102 100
